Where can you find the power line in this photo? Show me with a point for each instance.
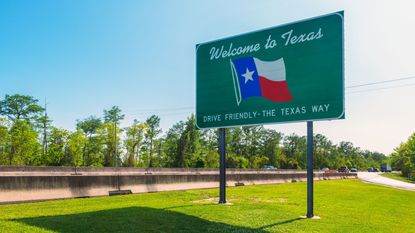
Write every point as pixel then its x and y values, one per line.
pixel 380 82
pixel 134 116
pixel 159 109
pixel 187 109
pixel 382 88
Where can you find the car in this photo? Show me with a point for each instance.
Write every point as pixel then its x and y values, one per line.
pixel 269 167
pixel 325 169
pixel 353 169
pixel 343 169
pixel 370 169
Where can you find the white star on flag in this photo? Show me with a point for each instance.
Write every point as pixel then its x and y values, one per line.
pixel 248 75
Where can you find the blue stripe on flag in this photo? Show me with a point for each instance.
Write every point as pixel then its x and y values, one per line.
pixel 248 88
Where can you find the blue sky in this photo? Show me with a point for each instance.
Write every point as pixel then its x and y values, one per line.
pixel 84 56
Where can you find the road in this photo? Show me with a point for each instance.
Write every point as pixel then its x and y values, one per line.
pixel 376 178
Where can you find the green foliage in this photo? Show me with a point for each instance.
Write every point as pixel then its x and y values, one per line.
pixel 107 133
pixel 271 147
pixel 96 140
pixel 58 143
pixel 24 146
pixel 171 145
pixel 211 158
pixel 403 158
pixel 134 142
pixel 260 161
pixel 94 147
pixel 74 151
pixel 4 140
pixel 234 161
pixel 152 131
pixel 89 125
pixel 113 115
pixel 295 148
pixel 20 107
pixel 112 118
pixel 189 145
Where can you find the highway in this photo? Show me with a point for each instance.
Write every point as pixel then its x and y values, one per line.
pixel 376 178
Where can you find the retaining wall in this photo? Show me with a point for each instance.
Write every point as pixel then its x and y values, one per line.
pixel 19 184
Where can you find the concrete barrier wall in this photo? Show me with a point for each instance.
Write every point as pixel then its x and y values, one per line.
pixel 11 170
pixel 32 184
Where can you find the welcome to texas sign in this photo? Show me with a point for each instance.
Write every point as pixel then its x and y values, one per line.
pixel 293 72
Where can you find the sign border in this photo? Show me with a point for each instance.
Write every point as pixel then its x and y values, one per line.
pixel 338 13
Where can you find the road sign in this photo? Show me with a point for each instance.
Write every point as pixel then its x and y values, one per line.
pixel 293 72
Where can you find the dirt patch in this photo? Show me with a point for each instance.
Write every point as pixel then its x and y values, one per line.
pixel 282 200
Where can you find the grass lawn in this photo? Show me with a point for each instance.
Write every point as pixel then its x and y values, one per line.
pixel 343 205
pixel 397 176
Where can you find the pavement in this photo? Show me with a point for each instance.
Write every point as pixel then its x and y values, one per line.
pixel 376 178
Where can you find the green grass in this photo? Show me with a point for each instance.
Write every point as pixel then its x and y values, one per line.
pixel 397 176
pixel 343 205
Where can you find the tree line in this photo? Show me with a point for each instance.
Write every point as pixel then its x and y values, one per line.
pixel 403 158
pixel 28 137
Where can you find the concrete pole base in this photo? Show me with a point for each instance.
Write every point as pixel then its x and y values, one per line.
pixel 227 203
pixel 314 217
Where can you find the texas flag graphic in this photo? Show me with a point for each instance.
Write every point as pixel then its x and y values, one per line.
pixel 253 77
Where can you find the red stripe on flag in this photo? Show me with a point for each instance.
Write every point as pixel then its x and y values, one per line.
pixel 276 91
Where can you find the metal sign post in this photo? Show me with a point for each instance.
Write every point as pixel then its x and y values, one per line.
pixel 222 175
pixel 310 175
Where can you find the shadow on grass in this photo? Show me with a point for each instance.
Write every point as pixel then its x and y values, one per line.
pixel 280 223
pixel 131 219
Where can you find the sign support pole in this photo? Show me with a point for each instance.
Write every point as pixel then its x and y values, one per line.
pixel 310 175
pixel 222 172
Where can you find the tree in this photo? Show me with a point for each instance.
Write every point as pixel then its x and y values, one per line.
pixel 17 107
pixel 252 140
pixel 92 151
pixel 44 123
pixel 234 140
pixel 403 158
pixel 295 151
pixel 189 145
pixel 134 142
pixel 24 147
pixel 171 145
pixel 271 148
pixel 96 143
pixel 111 140
pixel 58 142
pixel 260 161
pixel 4 140
pixel 74 149
pixel 114 115
pixel 153 130
pixel 234 161
pixel 209 150
pixel 322 151
pixel 89 125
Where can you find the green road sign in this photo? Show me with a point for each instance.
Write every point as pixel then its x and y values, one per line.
pixel 293 72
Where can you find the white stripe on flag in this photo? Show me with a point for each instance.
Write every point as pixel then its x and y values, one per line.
pixel 272 70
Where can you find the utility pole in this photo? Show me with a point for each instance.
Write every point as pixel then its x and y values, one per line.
pixel 115 142
pixel 114 115
pixel 45 137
